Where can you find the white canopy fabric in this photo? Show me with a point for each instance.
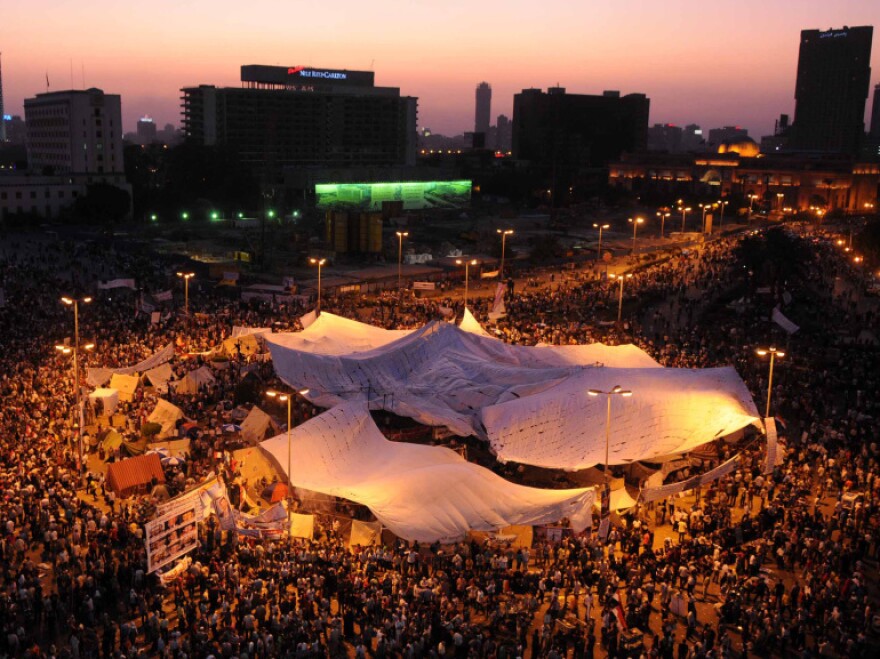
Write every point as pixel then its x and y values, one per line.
pixel 166 415
pixel 670 411
pixel 422 493
pixel 159 377
pixel 439 374
pixel 98 376
pixel 109 399
pixel 244 331
pixel 470 324
pixel 190 383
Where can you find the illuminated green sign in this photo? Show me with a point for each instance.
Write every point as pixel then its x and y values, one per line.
pixel 415 195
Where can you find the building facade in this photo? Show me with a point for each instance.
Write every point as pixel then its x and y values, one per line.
pixel 833 78
pixel 293 117
pixel 77 134
pixel 483 109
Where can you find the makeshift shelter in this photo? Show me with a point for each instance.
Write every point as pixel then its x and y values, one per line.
pixel 132 475
pixel 194 380
pixel 98 376
pixel 158 377
pixel 423 493
pixel 166 415
pixel 175 448
pixel 274 492
pixel 111 441
pixel 257 426
pixel 109 399
pixel 470 324
pixel 126 385
pixel 247 344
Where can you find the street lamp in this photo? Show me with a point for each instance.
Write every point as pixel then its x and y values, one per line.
pixel 400 236
pixel 722 204
pixel 752 198
pixel 616 390
pixel 684 212
pixel 621 277
pixel 287 398
pixel 184 215
pixel 320 263
pixel 503 234
pixel 600 227
pixel 635 222
pixel 186 276
pixel 858 259
pixel 774 353
pixel 662 217
pixel 706 208
pixel 467 265
pixel 74 302
pixel 779 197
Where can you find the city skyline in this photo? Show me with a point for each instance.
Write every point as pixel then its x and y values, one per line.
pixel 714 66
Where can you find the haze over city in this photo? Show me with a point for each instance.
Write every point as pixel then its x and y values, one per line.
pixel 711 64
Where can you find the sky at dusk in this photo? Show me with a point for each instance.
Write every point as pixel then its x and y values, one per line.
pixel 711 63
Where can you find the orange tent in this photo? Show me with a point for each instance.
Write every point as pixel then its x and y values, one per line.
pixel 135 474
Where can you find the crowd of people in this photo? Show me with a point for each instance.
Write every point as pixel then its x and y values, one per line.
pixel 758 564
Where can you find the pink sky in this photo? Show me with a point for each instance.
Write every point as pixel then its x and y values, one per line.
pixel 711 63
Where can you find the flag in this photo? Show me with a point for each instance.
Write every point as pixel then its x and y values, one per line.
pixel 779 318
pixel 617 610
pixel 498 310
pixel 162 296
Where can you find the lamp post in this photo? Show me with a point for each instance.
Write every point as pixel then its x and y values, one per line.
pixel 774 353
pixel 621 277
pixel 635 222
pixel 74 302
pixel 722 204
pixel 599 249
pixel 662 217
pixel 287 398
pixel 503 233
pixel 616 390
pixel 684 212
pixel 779 197
pixel 186 276
pixel 320 263
pixel 467 265
pixel 400 236
pixel 752 198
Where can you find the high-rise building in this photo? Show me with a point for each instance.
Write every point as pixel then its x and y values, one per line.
pixel 288 117
pixel 568 131
pixel 717 136
pixel 833 78
pixel 665 137
pixel 483 108
pixel 503 129
pixel 875 113
pixel 77 133
pixel 2 111
pixel 146 130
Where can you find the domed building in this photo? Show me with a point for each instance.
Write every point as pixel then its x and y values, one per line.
pixel 745 147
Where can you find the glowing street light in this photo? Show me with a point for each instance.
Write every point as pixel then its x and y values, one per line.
pixel 620 277
pixel 74 302
pixel 320 263
pixel 184 215
pixel 287 398
pixel 684 212
pixel 600 227
pixel 774 353
pixel 662 215
pixel 779 197
pixel 400 236
pixel 186 276
pixel 721 204
pixel 153 217
pixel 503 234
pixel 752 198
pixel 467 265
pixel 635 222
pixel 616 390
pixel 215 216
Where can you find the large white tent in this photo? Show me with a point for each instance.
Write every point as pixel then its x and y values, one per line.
pixel 166 415
pixel 422 493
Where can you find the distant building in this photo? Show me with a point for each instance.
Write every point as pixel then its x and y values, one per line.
pixel 875 113
pixel 483 108
pixel 692 139
pixel 503 132
pixel 77 134
pixel 2 111
pixel 43 196
pixel 718 136
pixel 832 86
pixel 571 131
pixel 289 117
pixel 16 132
pixel 146 130
pixel 665 137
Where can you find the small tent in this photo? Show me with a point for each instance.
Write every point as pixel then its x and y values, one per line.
pixel 126 385
pixel 194 380
pixel 274 492
pixel 166 415
pixel 112 440
pixel 109 399
pixel 258 426
pixel 132 475
pixel 249 344
pixel 158 377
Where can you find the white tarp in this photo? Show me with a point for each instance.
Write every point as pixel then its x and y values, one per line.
pixel 109 399
pixel 440 375
pixel 166 415
pixel 256 425
pixel 159 377
pixel 422 493
pixel 670 411
pixel 238 331
pixel 470 324
pixel 192 381
pixel 98 376
pixel 670 489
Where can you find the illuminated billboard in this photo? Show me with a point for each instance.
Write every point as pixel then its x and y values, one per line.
pixel 415 195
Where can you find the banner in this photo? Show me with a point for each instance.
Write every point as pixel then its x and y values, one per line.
pixel 302 526
pixel 220 502
pixel 194 499
pixel 778 318
pixel 423 286
pixel 162 296
pixel 668 490
pixel 172 535
pixel 498 310
pixel 365 534
pixel 772 445
pixel 116 283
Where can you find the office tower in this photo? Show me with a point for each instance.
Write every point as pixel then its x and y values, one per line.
pixel 718 136
pixel 2 111
pixel 483 108
pixel 296 117
pixel 833 77
pixel 875 113
pixel 665 137
pixel 146 130
pixel 574 130
pixel 77 133
pixel 503 129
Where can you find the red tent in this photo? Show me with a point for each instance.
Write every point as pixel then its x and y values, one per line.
pixel 274 492
pixel 134 474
